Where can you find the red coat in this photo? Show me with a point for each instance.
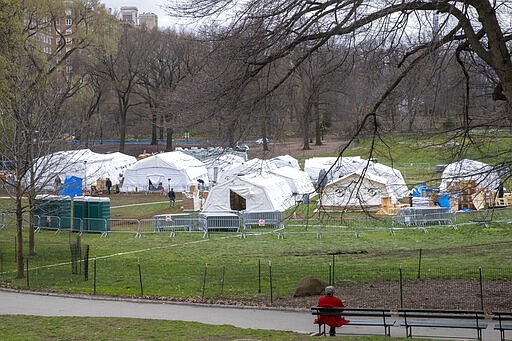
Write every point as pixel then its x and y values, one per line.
pixel 331 321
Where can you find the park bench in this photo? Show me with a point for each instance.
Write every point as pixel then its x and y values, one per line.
pixel 504 322
pixel 372 317
pixel 433 318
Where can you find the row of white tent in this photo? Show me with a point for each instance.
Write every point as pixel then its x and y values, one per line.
pixel 255 185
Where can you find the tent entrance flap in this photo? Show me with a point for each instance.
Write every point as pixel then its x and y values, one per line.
pixel 236 201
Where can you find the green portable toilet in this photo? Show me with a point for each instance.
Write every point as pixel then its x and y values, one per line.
pixel 79 213
pixel 54 211
pixel 98 214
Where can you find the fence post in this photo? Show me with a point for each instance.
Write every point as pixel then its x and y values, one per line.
pixel 86 263
pixel 333 278
pixel 419 265
pixel 222 280
pixel 94 285
pixel 140 278
pixel 330 273
pixel 204 279
pixel 481 290
pixel 270 279
pixel 259 276
pixel 401 289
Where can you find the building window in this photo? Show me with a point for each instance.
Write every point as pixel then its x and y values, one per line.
pixel 69 69
pixel 69 40
pixel 68 12
pixel 69 22
pixel 69 31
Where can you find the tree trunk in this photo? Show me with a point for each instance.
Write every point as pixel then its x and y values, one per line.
pixel 31 204
pixel 154 141
pixel 19 238
pixel 122 130
pixel 305 117
pixel 318 122
pixel 168 145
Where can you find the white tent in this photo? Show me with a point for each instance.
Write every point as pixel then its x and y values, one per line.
pixel 285 161
pixel 395 182
pixel 217 164
pixel 252 166
pixel 338 166
pixel 82 163
pixel 482 173
pixel 354 191
pixel 298 181
pixel 253 193
pixel 173 169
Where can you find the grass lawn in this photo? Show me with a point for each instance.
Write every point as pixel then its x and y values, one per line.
pixel 35 328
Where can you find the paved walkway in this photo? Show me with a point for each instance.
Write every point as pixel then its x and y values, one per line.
pixel 25 303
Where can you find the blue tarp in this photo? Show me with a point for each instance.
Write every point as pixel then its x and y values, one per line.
pixel 72 186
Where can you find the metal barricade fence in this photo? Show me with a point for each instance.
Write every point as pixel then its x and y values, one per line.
pixel 95 225
pixel 174 222
pixel 262 219
pixel 47 222
pixel 124 226
pixel 218 222
pixel 423 216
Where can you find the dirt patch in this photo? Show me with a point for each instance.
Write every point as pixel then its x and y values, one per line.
pixel 323 253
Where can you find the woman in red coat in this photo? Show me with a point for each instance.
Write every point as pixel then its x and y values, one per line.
pixel 329 300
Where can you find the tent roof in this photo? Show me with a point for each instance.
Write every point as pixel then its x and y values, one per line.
pixel 177 160
pixel 285 160
pixel 298 180
pixel 483 174
pixel 249 167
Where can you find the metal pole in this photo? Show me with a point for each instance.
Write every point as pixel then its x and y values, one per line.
pixel 270 279
pixel 419 265
pixel 333 279
pixel 481 290
pixel 222 280
pixel 330 273
pixel 401 289
pixel 204 279
pixel 94 291
pixel 259 276
pixel 140 278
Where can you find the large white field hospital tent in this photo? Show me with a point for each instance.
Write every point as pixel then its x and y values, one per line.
pixel 81 163
pixel 299 181
pixel 216 164
pixel 173 169
pixel 252 193
pixel 335 167
pixel 252 166
pixel 356 190
pixel 285 161
pixel 482 173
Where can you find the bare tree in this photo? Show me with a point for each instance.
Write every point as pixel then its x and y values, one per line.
pixel 477 28
pixel 31 120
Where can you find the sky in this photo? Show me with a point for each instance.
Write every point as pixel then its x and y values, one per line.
pixel 145 6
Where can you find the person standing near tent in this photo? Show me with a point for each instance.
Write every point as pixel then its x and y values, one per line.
pixel 108 184
pixel 172 197
pixel 329 300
